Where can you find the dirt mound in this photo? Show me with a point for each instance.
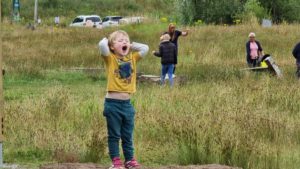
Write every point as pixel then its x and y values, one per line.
pixel 96 166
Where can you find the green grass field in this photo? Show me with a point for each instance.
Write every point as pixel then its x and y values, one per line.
pixel 222 114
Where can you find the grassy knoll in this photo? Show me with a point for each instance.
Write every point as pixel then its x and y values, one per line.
pixel 221 115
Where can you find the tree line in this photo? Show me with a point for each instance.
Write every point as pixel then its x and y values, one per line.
pixel 230 11
pixel 72 8
pixel 185 11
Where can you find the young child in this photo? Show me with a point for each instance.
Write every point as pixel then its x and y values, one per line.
pixel 167 52
pixel 174 36
pixel 120 58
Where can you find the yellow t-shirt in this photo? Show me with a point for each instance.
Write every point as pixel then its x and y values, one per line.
pixel 121 72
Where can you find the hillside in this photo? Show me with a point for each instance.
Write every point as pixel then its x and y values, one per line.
pixel 221 115
pixel 69 9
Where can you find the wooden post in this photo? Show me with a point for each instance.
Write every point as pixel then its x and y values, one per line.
pixel 1 93
pixel 35 12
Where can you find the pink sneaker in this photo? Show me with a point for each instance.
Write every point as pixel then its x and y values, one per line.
pixel 132 164
pixel 116 163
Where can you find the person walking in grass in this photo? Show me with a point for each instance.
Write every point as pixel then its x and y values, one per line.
pixel 296 54
pixel 167 53
pixel 174 36
pixel 253 50
pixel 120 58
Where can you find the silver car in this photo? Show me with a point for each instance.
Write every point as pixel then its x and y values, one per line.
pixel 111 21
pixel 87 21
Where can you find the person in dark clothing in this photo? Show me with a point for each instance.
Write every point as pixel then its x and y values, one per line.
pixel 167 52
pixel 296 54
pixel 254 50
pixel 174 35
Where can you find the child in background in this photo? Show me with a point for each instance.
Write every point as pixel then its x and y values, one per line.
pixel 167 52
pixel 174 36
pixel 120 58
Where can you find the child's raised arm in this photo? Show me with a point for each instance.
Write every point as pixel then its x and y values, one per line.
pixel 141 48
pixel 103 47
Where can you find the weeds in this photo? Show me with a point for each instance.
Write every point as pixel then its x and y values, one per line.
pixel 221 115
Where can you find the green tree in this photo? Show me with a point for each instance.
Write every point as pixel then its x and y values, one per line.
pixel 292 13
pixel 49 3
pixel 213 11
pixel 5 8
pixel 186 11
pixel 253 8
pixel 283 9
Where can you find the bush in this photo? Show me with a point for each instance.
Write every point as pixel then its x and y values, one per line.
pixel 225 12
pixel 254 8
pixel 216 12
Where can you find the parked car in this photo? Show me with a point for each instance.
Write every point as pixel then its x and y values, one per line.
pixel 87 21
pixel 111 21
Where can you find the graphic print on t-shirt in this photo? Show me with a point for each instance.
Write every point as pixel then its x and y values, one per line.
pixel 125 70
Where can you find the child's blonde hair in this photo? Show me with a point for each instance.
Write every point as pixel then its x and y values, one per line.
pixel 165 37
pixel 113 36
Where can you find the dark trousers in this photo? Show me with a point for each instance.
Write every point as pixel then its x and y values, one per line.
pixel 120 124
pixel 175 63
pixel 298 71
pixel 253 62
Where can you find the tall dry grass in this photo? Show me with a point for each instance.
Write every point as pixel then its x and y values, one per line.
pixel 221 115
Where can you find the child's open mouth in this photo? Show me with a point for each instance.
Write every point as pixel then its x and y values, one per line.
pixel 124 48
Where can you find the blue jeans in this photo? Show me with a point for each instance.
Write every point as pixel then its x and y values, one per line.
pixel 120 124
pixel 167 68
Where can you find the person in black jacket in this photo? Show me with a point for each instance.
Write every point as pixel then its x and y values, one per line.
pixel 296 54
pixel 167 52
pixel 254 50
pixel 174 36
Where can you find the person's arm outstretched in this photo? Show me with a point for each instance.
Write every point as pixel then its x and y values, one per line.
pixel 185 33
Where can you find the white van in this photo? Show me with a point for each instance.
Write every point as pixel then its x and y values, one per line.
pixel 87 21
